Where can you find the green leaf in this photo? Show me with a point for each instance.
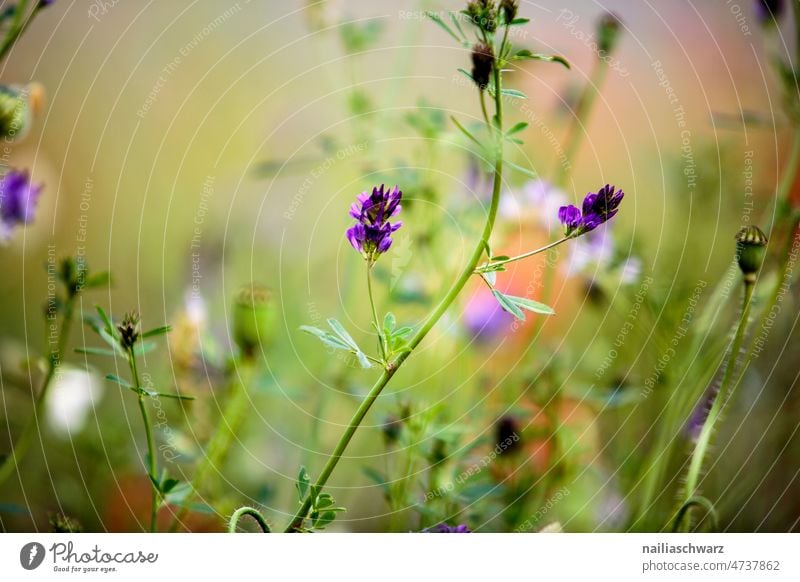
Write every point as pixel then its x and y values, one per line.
pixel 95 351
pixel 324 519
pixel 513 93
pixel 100 279
pixel 325 337
pixel 121 381
pixel 467 74
pixel 507 305
pixel 525 171
pixel 389 323
pixel 157 331
pixel 525 54
pixel 439 22
pixel 531 305
pixel 500 258
pixel 340 331
pixel 169 484
pixel 517 128
pixel 179 495
pixel 143 348
pixel 106 319
pixel 153 394
pixel 402 332
pixel 519 21
pixel 465 131
pixel 457 24
pixel 303 483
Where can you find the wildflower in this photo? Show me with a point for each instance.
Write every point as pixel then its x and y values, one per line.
pixel 254 318
pixel 482 64
pixel 483 14
pixel 768 11
pixel 445 528
pixel 18 197
pixel 509 9
pixel 484 319
pixel 538 200
pixel 750 243
pixel 371 235
pixel 598 208
pixel 129 330
pixel 607 33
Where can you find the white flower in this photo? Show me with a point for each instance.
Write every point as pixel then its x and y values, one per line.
pixel 73 394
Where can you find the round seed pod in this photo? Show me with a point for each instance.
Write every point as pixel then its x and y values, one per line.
pixel 254 319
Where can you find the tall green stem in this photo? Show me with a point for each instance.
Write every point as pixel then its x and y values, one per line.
pixel 721 399
pixel 20 447
pixel 379 330
pixel 297 521
pixel 151 449
pixel 18 26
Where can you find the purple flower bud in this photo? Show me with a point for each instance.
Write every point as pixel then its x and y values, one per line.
pixel 371 235
pixel 768 11
pixel 445 528
pixel 598 208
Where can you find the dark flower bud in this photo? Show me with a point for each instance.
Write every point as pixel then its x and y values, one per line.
pixel 482 64
pixel 438 451
pixel 750 243
pixel 608 28
pixel 768 11
pixel 483 14
pixel 253 319
pixel 61 523
pixel 129 330
pixel 507 435
pixel 509 9
pixel 392 427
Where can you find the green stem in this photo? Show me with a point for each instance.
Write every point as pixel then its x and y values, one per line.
pixel 151 449
pixel 378 329
pixel 18 26
pixel 720 400
pixel 252 512
pixel 220 443
pixel 575 132
pixel 490 266
pixel 297 521
pixel 20 447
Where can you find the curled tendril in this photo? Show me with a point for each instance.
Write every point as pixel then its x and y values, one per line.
pixel 252 512
pixel 696 501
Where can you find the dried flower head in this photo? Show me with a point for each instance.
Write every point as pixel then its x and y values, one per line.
pixel 371 235
pixel 482 64
pixel 129 330
pixel 509 9
pixel 598 208
pixel 483 14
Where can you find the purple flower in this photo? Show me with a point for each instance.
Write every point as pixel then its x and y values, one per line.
pixel 371 235
pixel 445 528
pixel 484 319
pixel 768 10
pixel 597 208
pixel 18 197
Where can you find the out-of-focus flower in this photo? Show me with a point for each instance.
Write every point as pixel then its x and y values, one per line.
pixel 18 107
pixel 482 64
pixel 254 319
pixel 598 208
pixel 768 11
pixel 18 198
pixel 72 395
pixel 371 235
pixel 536 200
pixel 484 319
pixel 445 528
pixel 595 253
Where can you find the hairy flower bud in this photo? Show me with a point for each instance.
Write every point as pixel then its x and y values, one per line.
pixel 509 9
pixel 482 64
pixel 483 14
pixel 750 243
pixel 129 330
pixel 254 319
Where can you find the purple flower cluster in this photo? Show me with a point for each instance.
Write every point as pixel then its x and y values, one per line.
pixel 371 235
pixel 18 197
pixel 597 208
pixel 768 10
pixel 445 528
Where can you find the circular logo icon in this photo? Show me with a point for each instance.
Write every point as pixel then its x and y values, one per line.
pixel 31 555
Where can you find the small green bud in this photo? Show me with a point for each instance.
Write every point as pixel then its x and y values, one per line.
pixel 750 243
pixel 254 319
pixel 483 14
pixel 18 107
pixel 607 33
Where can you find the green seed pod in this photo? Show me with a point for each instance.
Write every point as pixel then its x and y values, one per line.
pixel 608 28
pixel 750 243
pixel 254 319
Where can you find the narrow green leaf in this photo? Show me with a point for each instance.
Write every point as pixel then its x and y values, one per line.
pixel 143 348
pixel 157 331
pixel 525 54
pixel 513 93
pixel 403 331
pixel 457 24
pixel 519 21
pixel 339 330
pixel 389 323
pixel 465 131
pixel 121 381
pixel 435 18
pixel 325 337
pixel 507 305
pixel 153 394
pixel 531 305
pixel 106 319
pixel 100 279
pixel 303 483
pixel 95 352
pixel 517 127
pixel 500 258
pixel 467 74
pixel 525 171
